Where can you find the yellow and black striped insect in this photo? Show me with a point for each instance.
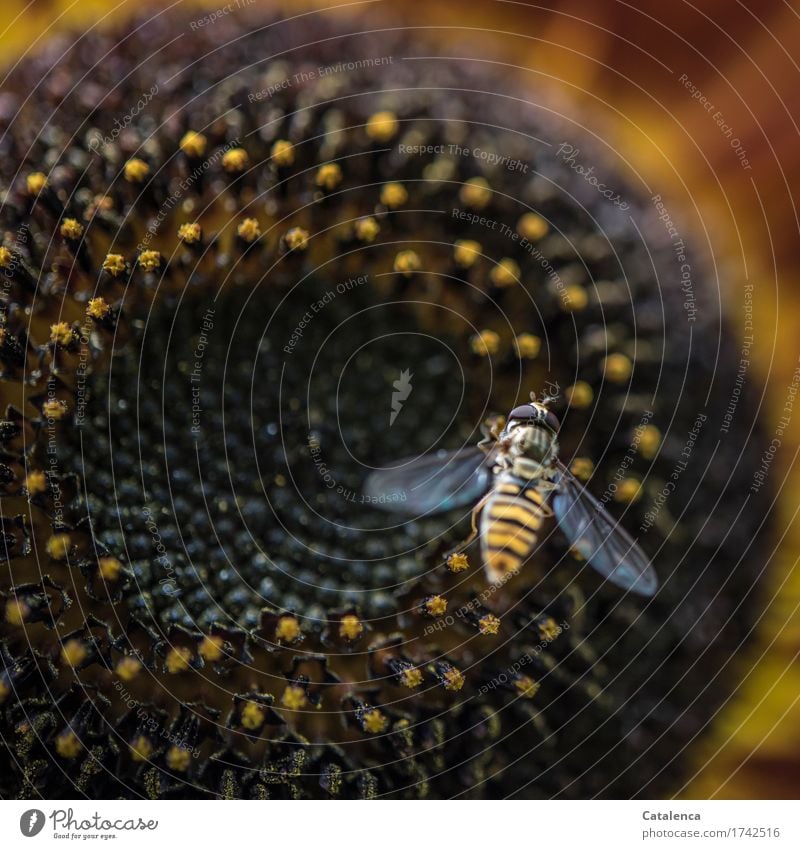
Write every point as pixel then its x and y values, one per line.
pixel 518 482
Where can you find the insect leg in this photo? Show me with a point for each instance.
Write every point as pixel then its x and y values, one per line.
pixel 476 511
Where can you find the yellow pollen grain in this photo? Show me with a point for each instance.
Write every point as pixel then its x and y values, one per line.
pixel 457 562
pixel 136 170
pixel 128 668
pixel 617 368
pixel 453 680
pixel 178 758
pixel 382 126
pixel 527 346
pixel 190 233
pixel 252 716
pixel 394 195
pixel 248 230
pixel 71 228
pixel 110 568
pixel 548 628
pixel 73 653
pixel 294 697
pixel 36 482
pixel 178 659
pixel 329 176
pixel 58 546
pixel 575 299
pixel 97 308
pixel 236 160
pixel 193 144
pixel 150 260
pixel 505 273
pixel 649 441
pixel 68 745
pixel 350 627
pixel 580 395
pixel 628 491
pixel 35 182
pixel 466 252
pixel 282 153
pixel 489 624
pixel 141 749
pixel 211 648
pixel 288 629
pixel 526 686
pixel 17 611
pixel 475 193
pixel 406 263
pixel 532 227
pixel 296 239
pixel 411 677
pixel 582 468
pixel 4 691
pixel 5 257
pixel 576 553
pixel 485 344
pixel 436 605
pixel 54 409
pixel 114 264
pixel 60 333
pixel 367 229
pixel 373 721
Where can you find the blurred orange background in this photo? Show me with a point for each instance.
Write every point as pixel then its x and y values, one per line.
pixel 641 78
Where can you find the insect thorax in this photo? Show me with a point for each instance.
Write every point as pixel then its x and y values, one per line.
pixel 531 453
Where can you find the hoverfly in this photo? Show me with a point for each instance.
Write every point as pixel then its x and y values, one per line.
pixel 518 481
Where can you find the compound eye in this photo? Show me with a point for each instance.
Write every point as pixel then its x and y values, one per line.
pixel 551 420
pixel 525 411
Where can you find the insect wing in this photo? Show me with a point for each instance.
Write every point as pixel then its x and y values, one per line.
pixel 433 483
pixel 605 544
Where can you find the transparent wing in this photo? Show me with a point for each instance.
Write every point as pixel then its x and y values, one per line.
pixel 598 537
pixel 433 483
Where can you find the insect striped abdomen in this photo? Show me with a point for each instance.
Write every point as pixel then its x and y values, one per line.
pixel 510 525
